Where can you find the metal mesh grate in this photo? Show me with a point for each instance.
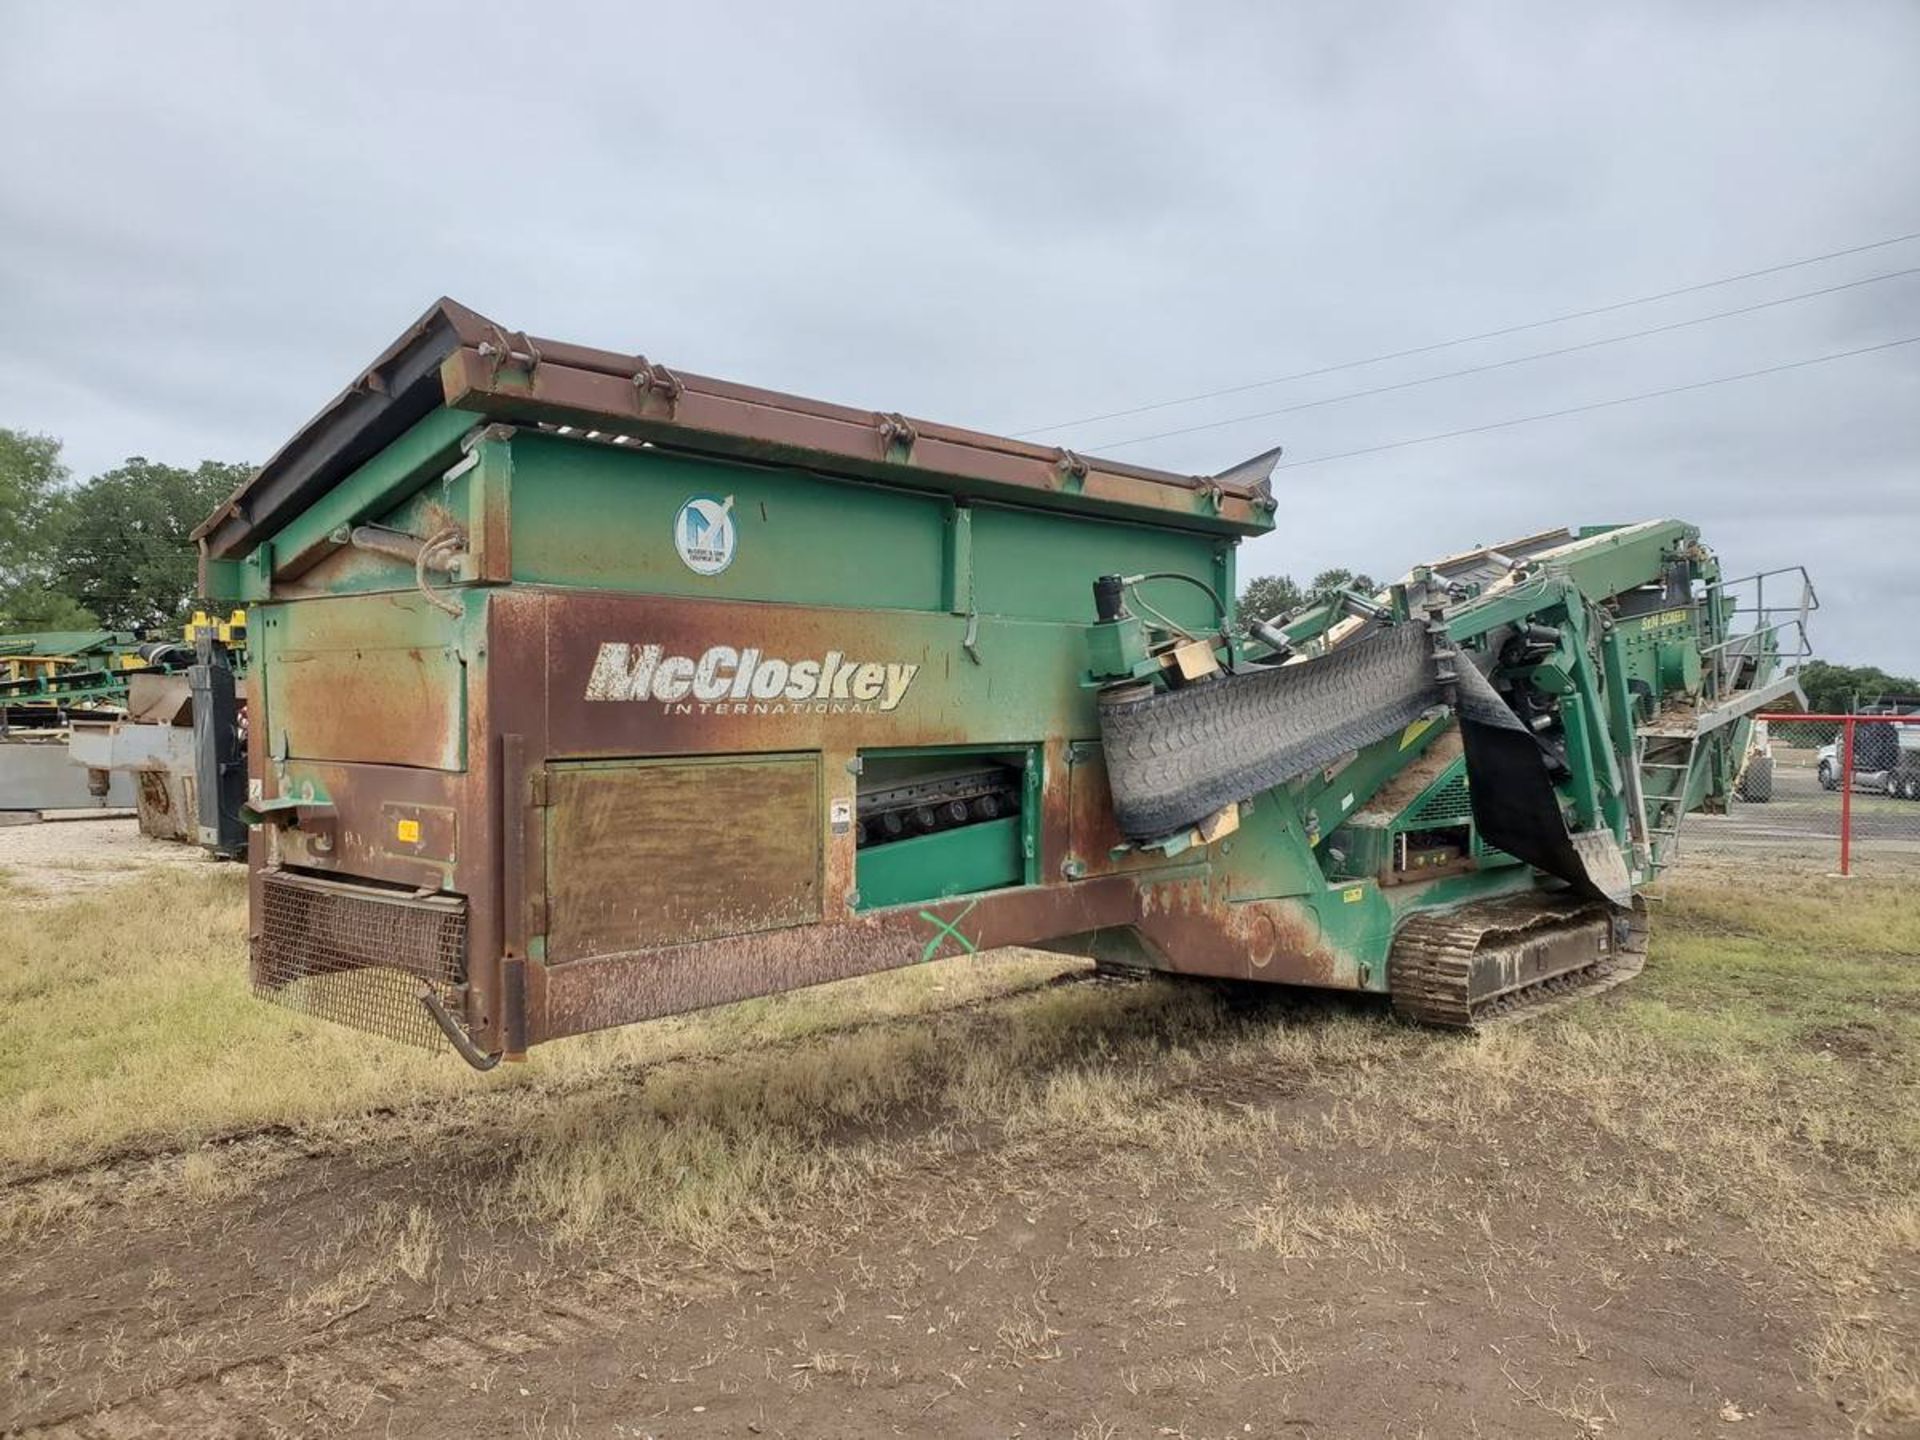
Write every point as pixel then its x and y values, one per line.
pixel 357 956
pixel 1447 804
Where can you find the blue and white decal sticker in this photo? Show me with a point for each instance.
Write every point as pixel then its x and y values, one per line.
pixel 703 533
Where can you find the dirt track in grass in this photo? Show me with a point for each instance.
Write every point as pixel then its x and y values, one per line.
pixel 1027 1201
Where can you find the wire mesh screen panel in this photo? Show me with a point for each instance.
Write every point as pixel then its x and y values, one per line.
pixel 1449 804
pixel 358 956
pixel 1844 789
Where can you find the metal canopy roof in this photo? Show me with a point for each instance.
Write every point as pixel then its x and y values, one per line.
pixel 453 356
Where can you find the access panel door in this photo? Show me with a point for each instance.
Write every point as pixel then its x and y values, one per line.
pixel 649 853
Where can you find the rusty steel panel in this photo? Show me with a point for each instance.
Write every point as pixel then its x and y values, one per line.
pixel 1194 930
pixel 617 990
pixel 1094 844
pixel 411 831
pixel 167 805
pixel 374 679
pixel 412 708
pixel 669 391
pixel 365 835
pixel 651 853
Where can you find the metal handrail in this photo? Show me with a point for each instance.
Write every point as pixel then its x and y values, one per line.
pixel 1745 636
pixel 1765 636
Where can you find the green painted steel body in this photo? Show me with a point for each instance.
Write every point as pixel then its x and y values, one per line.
pixel 869 622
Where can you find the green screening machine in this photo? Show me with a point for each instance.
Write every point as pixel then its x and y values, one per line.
pixel 586 690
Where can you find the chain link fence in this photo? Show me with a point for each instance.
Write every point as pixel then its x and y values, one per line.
pixel 1843 788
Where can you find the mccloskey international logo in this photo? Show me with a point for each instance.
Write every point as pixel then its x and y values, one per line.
pixel 744 681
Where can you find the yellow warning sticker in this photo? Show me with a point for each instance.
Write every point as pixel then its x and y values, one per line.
pixel 1353 894
pixel 407 832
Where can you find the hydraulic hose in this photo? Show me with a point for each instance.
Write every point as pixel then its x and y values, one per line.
pixel 1219 607
pixel 455 1032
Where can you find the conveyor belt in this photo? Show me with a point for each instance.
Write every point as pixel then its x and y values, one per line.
pixel 1177 756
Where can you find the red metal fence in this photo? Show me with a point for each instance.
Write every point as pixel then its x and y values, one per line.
pixel 1852 780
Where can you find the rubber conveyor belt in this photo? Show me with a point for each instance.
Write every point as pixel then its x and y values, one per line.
pixel 1177 756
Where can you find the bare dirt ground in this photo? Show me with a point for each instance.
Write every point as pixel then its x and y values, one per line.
pixel 53 860
pixel 1006 1200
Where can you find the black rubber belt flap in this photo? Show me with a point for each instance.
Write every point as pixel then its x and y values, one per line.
pixel 1515 807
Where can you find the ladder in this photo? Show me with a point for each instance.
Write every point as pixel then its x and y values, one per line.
pixel 1663 811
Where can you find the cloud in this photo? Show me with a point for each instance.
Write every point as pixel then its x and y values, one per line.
pixel 1007 215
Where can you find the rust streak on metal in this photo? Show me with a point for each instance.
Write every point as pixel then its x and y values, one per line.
pixel 1196 933
pixel 617 990
pixel 732 419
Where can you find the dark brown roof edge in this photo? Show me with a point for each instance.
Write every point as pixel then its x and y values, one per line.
pixel 406 383
pixel 386 400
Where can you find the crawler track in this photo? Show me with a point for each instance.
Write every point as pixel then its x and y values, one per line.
pixel 1512 960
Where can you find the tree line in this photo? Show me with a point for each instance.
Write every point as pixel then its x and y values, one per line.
pixel 110 552
pixel 1269 596
pixel 1841 689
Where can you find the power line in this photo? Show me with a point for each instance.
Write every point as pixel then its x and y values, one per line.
pixel 1599 404
pixel 1470 339
pixel 1504 364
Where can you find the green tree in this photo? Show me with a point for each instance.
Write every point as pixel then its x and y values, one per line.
pixel 124 547
pixel 1269 595
pixel 1836 689
pixel 37 607
pixel 31 477
pixel 33 501
pixel 1338 579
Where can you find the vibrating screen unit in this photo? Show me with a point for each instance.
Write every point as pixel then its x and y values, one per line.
pixel 586 690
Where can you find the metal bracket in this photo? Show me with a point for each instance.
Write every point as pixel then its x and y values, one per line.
pixel 1446 657
pixel 516 349
pixel 479 433
pixel 1070 465
pixel 896 429
pixel 652 379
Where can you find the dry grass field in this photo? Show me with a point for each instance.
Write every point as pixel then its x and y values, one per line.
pixel 990 1198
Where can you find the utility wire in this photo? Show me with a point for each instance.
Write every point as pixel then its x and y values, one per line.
pixel 1469 339
pixel 1503 364
pixel 1599 404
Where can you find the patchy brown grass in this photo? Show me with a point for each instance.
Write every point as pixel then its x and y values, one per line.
pixel 126 1025
pixel 1751 1098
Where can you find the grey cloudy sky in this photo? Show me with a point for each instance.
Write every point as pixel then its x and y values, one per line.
pixel 1006 215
